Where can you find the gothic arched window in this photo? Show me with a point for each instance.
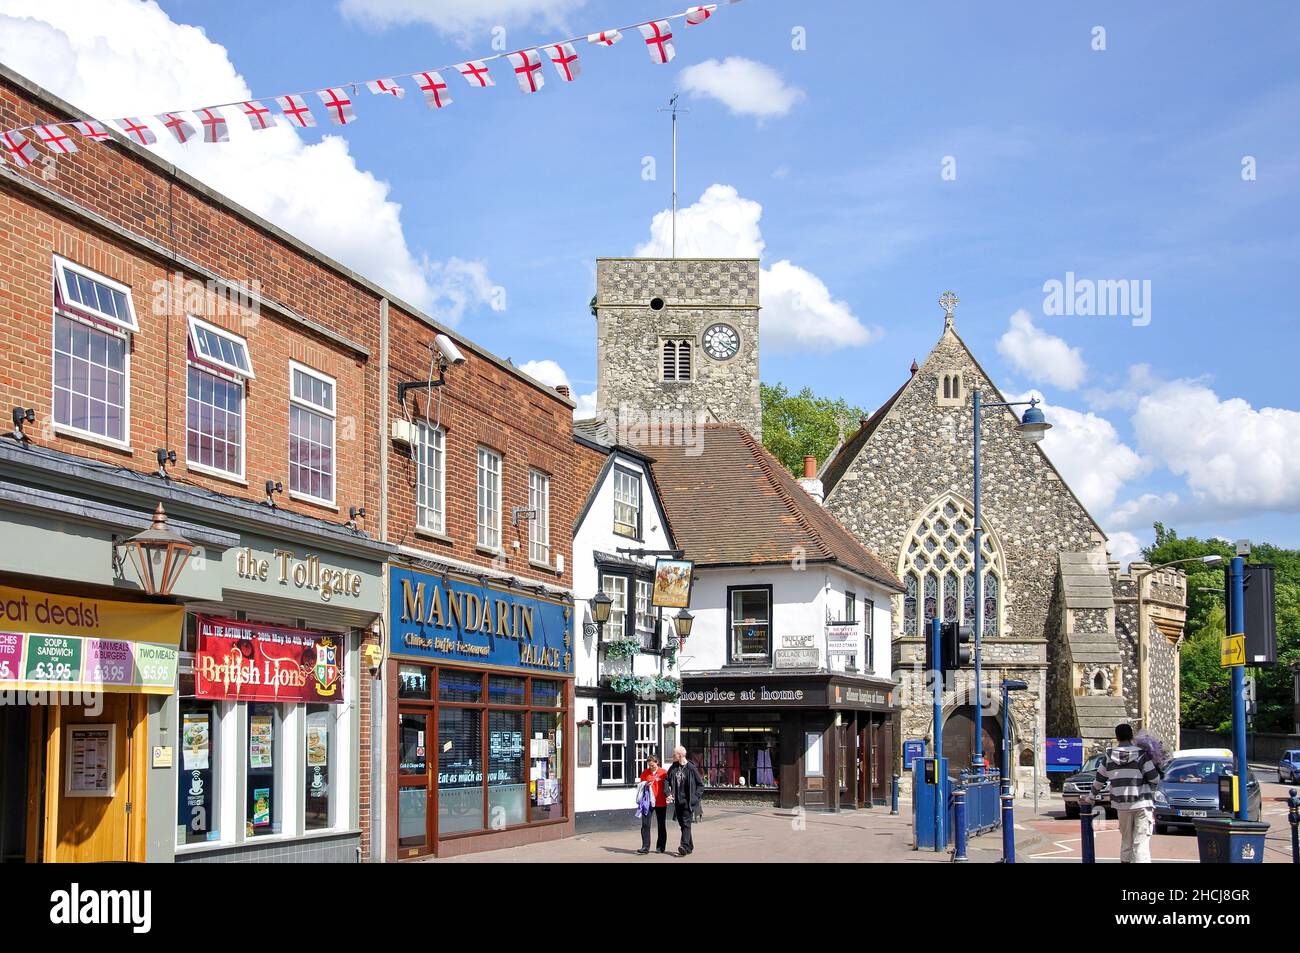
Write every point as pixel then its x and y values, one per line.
pixel 942 546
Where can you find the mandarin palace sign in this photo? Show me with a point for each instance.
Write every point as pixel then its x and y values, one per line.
pixel 453 620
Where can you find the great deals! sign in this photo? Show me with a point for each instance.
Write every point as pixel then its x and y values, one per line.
pixel 249 661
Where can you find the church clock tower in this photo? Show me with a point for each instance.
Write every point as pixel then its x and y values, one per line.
pixel 677 340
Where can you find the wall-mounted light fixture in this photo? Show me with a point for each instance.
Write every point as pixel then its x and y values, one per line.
pixel 600 605
pixel 158 554
pixel 23 416
pixel 355 512
pixel 166 458
pixel 273 487
pixel 682 622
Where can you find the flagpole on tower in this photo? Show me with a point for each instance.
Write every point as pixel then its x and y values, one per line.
pixel 674 109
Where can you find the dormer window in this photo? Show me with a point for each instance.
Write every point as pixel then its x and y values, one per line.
pixel 93 323
pixel 676 354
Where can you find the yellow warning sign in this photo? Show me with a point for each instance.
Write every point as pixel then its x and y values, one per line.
pixel 1232 650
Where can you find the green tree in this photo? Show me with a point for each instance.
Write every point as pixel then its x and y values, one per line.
pixel 796 425
pixel 1206 691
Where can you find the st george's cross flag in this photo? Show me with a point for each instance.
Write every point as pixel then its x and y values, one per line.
pixel 295 110
pixel 337 105
pixel 697 15
pixel 18 148
pixel 476 73
pixel 391 87
pixel 137 131
pixel 214 125
pixel 91 129
pixel 605 37
pixel 259 117
pixel 565 59
pixel 527 65
pixel 658 40
pixel 181 130
pixel 436 93
pixel 55 139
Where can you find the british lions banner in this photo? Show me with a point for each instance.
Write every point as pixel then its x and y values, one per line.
pixel 251 661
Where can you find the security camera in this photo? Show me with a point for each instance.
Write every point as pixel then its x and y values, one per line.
pixel 448 349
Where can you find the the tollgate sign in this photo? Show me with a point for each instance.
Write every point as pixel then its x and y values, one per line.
pixel 448 619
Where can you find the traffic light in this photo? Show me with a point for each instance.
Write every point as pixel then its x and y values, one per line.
pixel 1261 617
pixel 954 638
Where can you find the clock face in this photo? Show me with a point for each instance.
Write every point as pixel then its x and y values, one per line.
pixel 721 342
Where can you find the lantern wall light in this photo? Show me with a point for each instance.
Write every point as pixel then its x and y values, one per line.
pixel 158 555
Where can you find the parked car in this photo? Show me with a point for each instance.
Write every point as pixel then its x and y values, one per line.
pixel 1288 769
pixel 1190 790
pixel 1080 785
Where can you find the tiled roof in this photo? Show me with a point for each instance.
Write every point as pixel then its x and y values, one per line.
pixel 731 502
pixel 848 451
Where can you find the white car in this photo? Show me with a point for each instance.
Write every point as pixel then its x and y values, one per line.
pixel 1202 753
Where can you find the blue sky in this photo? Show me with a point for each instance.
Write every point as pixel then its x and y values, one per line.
pixel 1117 163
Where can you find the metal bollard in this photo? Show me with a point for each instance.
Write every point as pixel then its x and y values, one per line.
pixel 1008 827
pixel 893 796
pixel 959 810
pixel 1294 817
pixel 1088 846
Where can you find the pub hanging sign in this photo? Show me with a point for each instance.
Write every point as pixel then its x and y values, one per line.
pixel 443 618
pixel 251 661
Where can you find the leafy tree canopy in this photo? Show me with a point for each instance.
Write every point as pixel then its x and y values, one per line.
pixel 796 425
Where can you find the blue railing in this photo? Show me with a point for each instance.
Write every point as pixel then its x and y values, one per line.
pixel 983 810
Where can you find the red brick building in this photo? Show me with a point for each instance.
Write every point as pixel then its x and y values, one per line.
pixel 146 314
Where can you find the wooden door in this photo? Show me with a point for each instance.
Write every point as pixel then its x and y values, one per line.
pixel 817 764
pixel 882 761
pixel 959 737
pixel 96 828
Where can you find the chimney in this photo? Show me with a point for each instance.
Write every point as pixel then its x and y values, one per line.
pixel 562 390
pixel 812 486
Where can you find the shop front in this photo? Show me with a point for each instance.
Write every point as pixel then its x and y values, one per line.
pixel 76 676
pixel 480 699
pixel 817 740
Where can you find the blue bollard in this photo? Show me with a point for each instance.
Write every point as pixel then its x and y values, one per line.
pixel 1008 827
pixel 1088 846
pixel 1293 816
pixel 893 796
pixel 959 810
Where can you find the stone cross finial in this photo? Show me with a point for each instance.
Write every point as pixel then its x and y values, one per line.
pixel 948 300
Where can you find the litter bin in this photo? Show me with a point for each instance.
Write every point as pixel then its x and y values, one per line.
pixel 1225 840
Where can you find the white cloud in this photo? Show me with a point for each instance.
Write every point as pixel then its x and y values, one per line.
pixel 552 375
pixel 799 312
pixel 1043 358
pixel 1124 548
pixel 1139 379
pixel 1143 511
pixel 460 19
pixel 119 57
pixel 746 87
pixel 1088 451
pixel 1232 455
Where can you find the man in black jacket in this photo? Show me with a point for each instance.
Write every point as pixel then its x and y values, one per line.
pixel 685 787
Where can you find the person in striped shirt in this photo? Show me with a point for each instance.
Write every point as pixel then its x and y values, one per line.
pixel 1133 778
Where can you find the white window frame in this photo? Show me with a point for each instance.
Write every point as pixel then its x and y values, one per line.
pixel 193 323
pixel 613 733
pixel 62 264
pixel 435 519
pixel 616 588
pixel 736 654
pixel 631 480
pixel 197 466
pixel 646 741
pixel 539 533
pixel 490 508
pixel 644 590
pixel 332 415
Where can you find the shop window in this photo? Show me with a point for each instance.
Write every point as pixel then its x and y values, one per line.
pixel 734 756
pixel 546 757
pixel 645 615
pixel 507 791
pixel 647 736
pixel 460 770
pixel 198 791
pixel 627 503
pixel 413 682
pixel 613 741
pixel 616 588
pixel 547 693
pixel 539 528
pixel 412 763
pixel 311 434
pixel 320 761
pixel 265 764
pixel 505 690
pixel 429 479
pixel 489 499
pixel 750 612
pixel 455 686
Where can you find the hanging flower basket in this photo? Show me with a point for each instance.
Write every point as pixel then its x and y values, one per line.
pixel 621 649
